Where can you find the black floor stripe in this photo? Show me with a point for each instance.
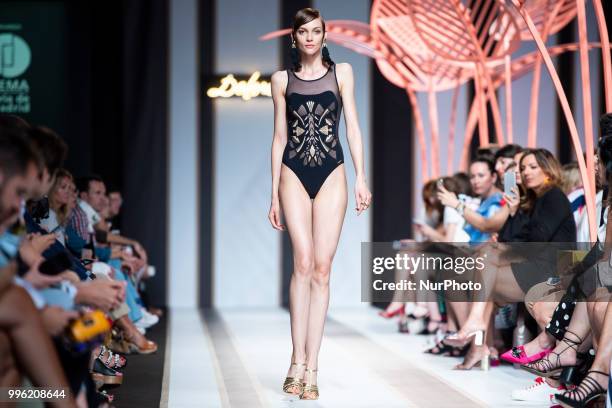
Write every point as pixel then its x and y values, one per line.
pixel 143 376
pixel 241 392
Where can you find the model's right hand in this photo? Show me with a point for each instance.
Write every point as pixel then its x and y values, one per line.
pixel 274 215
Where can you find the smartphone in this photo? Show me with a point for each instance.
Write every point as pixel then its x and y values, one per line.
pixel 101 236
pixel 56 264
pixel 509 182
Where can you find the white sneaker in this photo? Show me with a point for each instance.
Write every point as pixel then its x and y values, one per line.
pixel 147 320
pixel 540 391
pixel 141 323
pixel 151 318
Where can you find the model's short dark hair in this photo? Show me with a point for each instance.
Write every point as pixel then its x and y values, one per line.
pixel 305 16
pixel 51 147
pixel 82 183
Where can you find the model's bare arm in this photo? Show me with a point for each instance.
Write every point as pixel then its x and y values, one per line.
pixel 346 82
pixel 279 140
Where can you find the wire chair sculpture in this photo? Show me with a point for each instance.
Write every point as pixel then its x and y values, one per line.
pixel 430 46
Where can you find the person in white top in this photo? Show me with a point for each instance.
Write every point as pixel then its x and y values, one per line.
pixel 582 224
pixel 60 197
pixel 92 194
pixel 452 221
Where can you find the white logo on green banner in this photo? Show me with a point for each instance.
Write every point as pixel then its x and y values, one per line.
pixel 15 58
pixel 15 55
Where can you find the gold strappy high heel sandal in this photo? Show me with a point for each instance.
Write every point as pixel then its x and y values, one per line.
pixel 293 382
pixel 310 388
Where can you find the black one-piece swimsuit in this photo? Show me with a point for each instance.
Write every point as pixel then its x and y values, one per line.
pixel 313 148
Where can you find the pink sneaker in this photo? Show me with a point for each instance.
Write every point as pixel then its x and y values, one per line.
pixel 518 355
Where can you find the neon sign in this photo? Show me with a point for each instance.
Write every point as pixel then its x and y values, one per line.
pixel 247 89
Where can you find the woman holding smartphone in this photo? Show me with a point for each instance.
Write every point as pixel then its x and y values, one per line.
pixel 550 220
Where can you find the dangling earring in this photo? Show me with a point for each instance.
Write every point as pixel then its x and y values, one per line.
pixel 295 57
pixel 325 54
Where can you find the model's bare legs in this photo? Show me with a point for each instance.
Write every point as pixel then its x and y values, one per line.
pixel 297 210
pixel 329 208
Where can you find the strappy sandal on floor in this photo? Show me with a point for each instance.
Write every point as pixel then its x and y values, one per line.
pixel 588 391
pixel 429 322
pixel 112 360
pixel 546 367
pixel 440 349
pixel 104 376
pixel 310 388
pixel 293 382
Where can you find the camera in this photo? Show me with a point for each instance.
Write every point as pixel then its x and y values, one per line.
pixel 39 209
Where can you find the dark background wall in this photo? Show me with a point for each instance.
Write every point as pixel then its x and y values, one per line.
pixel 113 106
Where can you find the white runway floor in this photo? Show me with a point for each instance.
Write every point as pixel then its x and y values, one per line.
pixel 239 358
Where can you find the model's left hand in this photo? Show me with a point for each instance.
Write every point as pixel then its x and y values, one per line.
pixel 363 197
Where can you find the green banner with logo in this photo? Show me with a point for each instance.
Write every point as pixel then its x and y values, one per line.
pixel 32 62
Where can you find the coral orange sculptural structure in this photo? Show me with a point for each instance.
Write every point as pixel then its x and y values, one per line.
pixel 431 46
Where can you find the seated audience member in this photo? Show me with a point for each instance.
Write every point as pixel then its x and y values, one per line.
pixel 572 187
pixel 550 220
pixel 58 298
pixel 94 201
pixel 601 187
pixel 92 194
pixel 505 158
pixel 22 330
